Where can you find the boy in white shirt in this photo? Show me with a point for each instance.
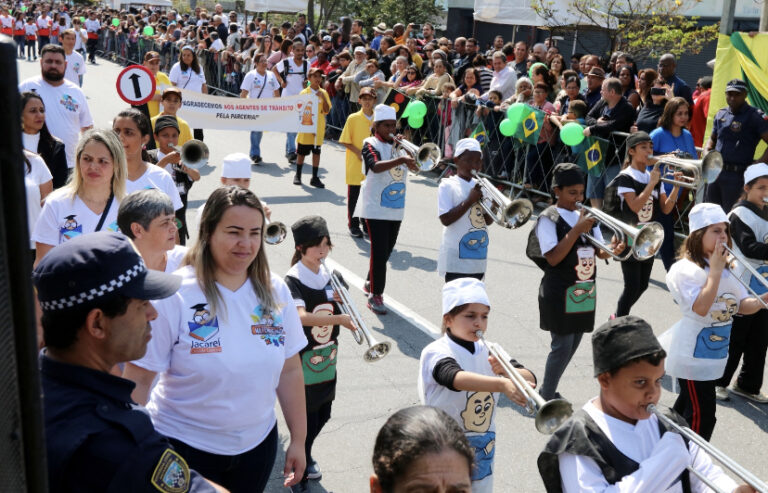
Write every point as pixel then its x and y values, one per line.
pixel 75 61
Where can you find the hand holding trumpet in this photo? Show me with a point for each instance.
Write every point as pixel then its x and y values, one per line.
pixel 508 386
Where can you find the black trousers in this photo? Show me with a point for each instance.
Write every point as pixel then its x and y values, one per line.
pixel 353 193
pixel 450 276
pixel 696 403
pixel 244 473
pixel 749 338
pixel 316 420
pixel 383 236
pixel 636 275
pixel 91 44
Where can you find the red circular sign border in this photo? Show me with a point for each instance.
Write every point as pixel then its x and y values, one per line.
pixel 151 93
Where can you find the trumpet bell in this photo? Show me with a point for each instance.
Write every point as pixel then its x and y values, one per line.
pixel 552 414
pixel 428 157
pixel 648 241
pixel 194 154
pixel 275 233
pixel 517 213
pixel 711 166
pixel 376 352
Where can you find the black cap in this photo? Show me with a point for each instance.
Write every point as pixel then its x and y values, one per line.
pixel 638 138
pixel 97 265
pixel 736 85
pixel 309 228
pixel 567 174
pixel 166 121
pixel 621 340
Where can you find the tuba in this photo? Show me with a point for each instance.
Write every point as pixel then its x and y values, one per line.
pixel 427 156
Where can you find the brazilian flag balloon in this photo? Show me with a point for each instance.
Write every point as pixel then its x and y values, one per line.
pixel 530 126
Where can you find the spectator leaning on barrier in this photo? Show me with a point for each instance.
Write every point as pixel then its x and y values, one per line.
pixel 504 77
pixel 592 93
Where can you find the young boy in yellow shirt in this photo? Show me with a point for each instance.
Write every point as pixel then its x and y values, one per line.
pixel 307 142
pixel 356 129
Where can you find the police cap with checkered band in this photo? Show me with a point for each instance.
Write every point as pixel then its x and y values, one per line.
pixel 96 266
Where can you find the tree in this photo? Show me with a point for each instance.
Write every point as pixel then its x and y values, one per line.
pixel 372 12
pixel 642 28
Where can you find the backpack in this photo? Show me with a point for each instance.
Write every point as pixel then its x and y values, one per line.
pixel 533 249
pixel 284 72
pixel 611 199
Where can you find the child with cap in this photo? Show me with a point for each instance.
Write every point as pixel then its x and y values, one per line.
pixel 382 201
pixel 166 130
pixel 567 293
pixel 356 129
pixel 749 336
pixel 708 296
pixel 613 442
pixel 311 142
pixel 641 200
pixel 464 247
pixel 310 285
pixel 458 375
pixel 171 102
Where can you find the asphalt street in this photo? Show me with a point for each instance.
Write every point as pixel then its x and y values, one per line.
pixel 368 393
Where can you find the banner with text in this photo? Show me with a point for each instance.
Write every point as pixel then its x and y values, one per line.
pixel 287 114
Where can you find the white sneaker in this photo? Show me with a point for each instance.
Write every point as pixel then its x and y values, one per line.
pixel 721 393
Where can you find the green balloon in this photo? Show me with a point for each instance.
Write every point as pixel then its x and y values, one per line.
pixel 407 110
pixel 515 112
pixel 115 21
pixel 415 121
pixel 23 8
pixel 82 19
pixel 419 109
pixel 572 134
pixel 530 70
pixel 148 31
pixel 506 127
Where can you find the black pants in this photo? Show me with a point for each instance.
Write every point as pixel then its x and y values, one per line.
pixel 696 403
pixel 198 133
pixel 667 250
pixel 636 275
pixel 91 44
pixel 41 42
pixel 353 193
pixel 315 421
pixel 244 473
pixel 726 189
pixel 383 235
pixel 450 276
pixel 749 337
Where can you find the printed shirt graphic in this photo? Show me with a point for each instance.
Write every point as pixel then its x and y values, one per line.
pixel 697 346
pixel 319 360
pixel 197 392
pixel 582 296
pixel 382 195
pixel 464 246
pixel 63 218
pixel 759 227
pixel 157 178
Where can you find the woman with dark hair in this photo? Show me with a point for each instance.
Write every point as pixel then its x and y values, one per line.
pixel 421 442
pixel 627 78
pixel 648 116
pixel 412 78
pixel 187 74
pixel 540 74
pixel 385 57
pixel 556 68
pixel 38 139
pixel 37 182
pixel 207 366
pixel 645 80
pixel 284 52
pixel 572 93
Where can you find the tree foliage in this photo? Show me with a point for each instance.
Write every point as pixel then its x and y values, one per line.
pixel 372 12
pixel 643 28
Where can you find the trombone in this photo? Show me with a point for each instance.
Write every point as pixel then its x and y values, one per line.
pixel 696 172
pixel 645 241
pixel 376 350
pixel 427 156
pixel 726 461
pixel 194 153
pixel 275 232
pixel 509 213
pixel 748 267
pixel 548 414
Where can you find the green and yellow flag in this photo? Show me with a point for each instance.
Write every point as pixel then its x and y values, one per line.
pixel 480 135
pixel 530 127
pixel 592 153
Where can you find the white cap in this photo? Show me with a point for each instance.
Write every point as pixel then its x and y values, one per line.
pixel 462 291
pixel 755 171
pixel 383 112
pixel 468 144
pixel 705 214
pixel 237 165
pixel 360 49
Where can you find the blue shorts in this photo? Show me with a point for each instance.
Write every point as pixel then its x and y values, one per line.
pixel 596 184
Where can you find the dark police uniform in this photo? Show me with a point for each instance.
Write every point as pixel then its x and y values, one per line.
pixel 98 441
pixel 737 136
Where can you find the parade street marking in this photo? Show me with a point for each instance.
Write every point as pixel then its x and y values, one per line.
pixel 136 85
pixel 400 309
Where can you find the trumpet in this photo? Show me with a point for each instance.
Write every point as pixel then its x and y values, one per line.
pixel 509 213
pixel 275 232
pixel 194 153
pixel 376 350
pixel 696 172
pixel 548 414
pixel 744 262
pixel 726 461
pixel 645 241
pixel 427 156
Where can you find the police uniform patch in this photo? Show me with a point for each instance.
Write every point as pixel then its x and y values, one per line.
pixel 171 474
pixel 735 126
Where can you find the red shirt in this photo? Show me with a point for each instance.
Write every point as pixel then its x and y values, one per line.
pixel 699 117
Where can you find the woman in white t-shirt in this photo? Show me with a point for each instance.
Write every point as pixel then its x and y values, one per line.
pixel 188 74
pixel 225 347
pixel 38 183
pixel 90 200
pixel 133 128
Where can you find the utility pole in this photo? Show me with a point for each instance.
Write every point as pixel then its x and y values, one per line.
pixel 726 22
pixel 764 17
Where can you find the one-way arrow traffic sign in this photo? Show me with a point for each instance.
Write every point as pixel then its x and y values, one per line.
pixel 136 85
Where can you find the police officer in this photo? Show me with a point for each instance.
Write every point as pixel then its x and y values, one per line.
pixel 93 291
pixel 736 131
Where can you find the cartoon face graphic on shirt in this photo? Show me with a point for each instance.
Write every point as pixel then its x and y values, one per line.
pixel 70 228
pixel 393 195
pixel 585 268
pixel 727 307
pixel 758 284
pixel 476 217
pixel 645 214
pixel 478 413
pixel 474 243
pixel 204 329
pixel 322 333
pixel 201 315
pixel 397 173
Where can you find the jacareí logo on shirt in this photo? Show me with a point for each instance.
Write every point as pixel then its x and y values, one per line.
pixel 69 102
pixel 203 330
pixel 269 326
pixel 70 228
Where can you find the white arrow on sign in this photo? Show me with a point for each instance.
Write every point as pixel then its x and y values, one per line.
pixel 136 85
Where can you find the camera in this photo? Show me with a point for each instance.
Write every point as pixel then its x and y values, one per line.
pixel 658 91
pixel 416 27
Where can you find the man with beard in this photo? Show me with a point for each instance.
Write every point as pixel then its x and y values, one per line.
pixel 67 112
